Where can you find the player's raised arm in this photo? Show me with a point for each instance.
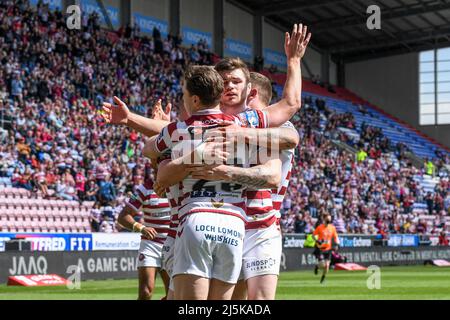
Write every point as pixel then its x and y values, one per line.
pixel 119 114
pixel 295 46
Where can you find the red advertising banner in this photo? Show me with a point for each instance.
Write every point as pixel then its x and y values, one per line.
pixel 441 263
pixel 37 280
pixel 349 267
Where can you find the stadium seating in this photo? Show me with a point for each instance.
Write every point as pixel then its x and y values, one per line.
pixel 22 210
pixel 40 215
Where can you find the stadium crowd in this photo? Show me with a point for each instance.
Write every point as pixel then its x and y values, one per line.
pixel 53 80
pixel 372 192
pixel 54 142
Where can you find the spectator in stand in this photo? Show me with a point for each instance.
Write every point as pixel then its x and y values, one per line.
pixel 429 167
pixel 430 203
pixel 361 155
pixel 95 217
pixel 443 239
pixel 300 224
pixel 92 191
pixel 421 227
pixel 80 184
pixel 17 87
pixel 107 192
pixel 62 190
pixel 339 224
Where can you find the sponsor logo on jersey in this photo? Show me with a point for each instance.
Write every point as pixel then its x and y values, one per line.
pixel 203 194
pixel 264 264
pixel 217 204
pixel 252 118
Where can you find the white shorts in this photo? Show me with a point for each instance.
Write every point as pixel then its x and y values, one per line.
pixel 149 254
pixel 262 252
pixel 167 255
pixel 210 245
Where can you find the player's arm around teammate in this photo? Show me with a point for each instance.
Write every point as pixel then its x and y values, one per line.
pixel 267 175
pixel 174 171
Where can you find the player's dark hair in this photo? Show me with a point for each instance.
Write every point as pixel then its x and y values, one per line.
pixel 231 64
pixel 204 82
pixel 263 85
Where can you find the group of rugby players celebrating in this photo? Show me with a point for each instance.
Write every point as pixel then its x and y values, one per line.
pixel 211 214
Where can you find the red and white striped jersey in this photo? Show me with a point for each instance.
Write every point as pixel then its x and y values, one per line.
pixel 173 195
pixel 200 195
pixel 156 210
pixel 287 160
pixel 260 213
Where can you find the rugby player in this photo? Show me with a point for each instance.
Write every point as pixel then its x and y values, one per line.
pixel 295 48
pixel 154 232
pixel 208 249
pixel 263 241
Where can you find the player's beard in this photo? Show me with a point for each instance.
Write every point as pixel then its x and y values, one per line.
pixel 236 107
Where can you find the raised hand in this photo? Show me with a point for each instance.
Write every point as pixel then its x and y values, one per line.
pixel 159 114
pixel 115 114
pixel 295 44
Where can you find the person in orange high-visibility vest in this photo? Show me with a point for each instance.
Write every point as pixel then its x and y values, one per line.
pixel 325 235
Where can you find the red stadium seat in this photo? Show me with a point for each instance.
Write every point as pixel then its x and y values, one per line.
pixel 41 203
pixel 3 220
pixel 14 203
pixel 64 213
pixel 16 192
pixel 58 224
pixel 27 223
pixel 51 226
pixel 19 214
pixel 27 214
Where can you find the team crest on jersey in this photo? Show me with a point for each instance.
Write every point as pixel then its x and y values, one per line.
pixel 195 131
pixel 252 118
pixel 141 257
pixel 217 204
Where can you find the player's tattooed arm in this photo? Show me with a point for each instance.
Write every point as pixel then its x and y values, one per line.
pixel 119 114
pixel 267 175
pixel 283 138
pixel 295 45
